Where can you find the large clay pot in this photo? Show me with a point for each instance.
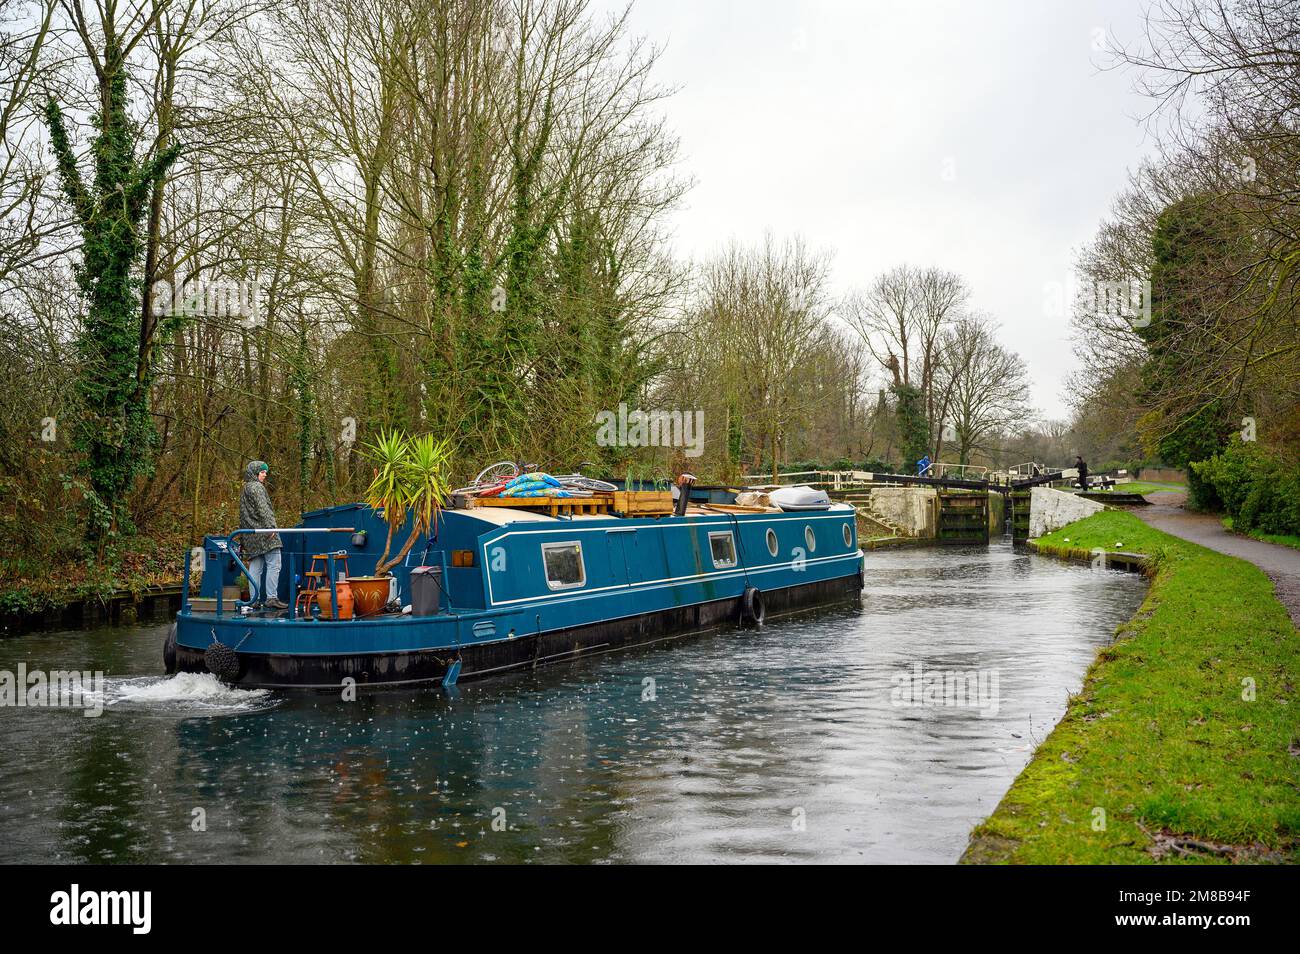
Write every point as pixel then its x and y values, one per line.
pixel 369 594
pixel 344 592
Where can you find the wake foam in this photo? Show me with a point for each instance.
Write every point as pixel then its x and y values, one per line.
pixel 189 691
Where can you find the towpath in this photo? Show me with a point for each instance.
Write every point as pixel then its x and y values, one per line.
pixel 1281 564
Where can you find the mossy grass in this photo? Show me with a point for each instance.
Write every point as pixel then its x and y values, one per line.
pixel 1182 744
pixel 1281 539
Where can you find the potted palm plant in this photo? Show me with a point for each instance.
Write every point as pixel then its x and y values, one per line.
pixel 411 481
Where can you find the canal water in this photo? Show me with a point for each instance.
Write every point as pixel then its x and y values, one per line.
pixel 878 733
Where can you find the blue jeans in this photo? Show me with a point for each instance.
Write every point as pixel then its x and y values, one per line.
pixel 267 564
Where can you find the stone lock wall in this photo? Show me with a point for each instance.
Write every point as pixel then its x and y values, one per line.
pixel 912 509
pixel 1052 509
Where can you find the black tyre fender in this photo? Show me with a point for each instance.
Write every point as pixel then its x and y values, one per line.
pixel 169 651
pixel 752 610
pixel 222 661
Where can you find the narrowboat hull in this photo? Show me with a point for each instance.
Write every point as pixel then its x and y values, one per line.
pixel 516 592
pixel 528 651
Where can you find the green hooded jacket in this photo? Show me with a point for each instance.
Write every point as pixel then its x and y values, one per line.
pixel 256 513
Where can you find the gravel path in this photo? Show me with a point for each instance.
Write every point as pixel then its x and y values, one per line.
pixel 1282 564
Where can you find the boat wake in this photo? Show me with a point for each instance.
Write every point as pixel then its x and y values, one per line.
pixel 185 691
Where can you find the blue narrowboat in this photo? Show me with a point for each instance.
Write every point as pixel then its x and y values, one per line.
pixel 514 588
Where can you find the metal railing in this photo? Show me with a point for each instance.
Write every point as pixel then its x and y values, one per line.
pixel 964 471
pixel 227 545
pixel 832 479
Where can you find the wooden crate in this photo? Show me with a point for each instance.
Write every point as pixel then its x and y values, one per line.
pixel 208 604
pixel 595 504
pixel 643 503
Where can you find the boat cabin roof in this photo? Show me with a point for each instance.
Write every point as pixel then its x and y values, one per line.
pixel 500 516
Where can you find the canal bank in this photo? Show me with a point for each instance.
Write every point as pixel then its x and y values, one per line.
pixel 1182 745
pixel 138 581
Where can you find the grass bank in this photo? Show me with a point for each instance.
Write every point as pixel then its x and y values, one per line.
pixel 1182 744
pixel 1145 487
pixel 1281 539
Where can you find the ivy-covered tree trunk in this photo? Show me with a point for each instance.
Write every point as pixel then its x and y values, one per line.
pixel 1188 245
pixel 301 377
pixel 913 429
pixel 114 431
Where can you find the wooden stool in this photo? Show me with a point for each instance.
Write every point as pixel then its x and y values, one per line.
pixel 318 579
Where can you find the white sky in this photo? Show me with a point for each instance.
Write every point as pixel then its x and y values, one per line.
pixel 980 137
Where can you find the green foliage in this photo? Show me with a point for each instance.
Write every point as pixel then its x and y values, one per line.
pixel 387 491
pixel 518 369
pixel 1201 494
pixel 412 481
pixel 1187 245
pixel 300 378
pixel 425 474
pixel 1258 490
pixel 1198 436
pixel 1229 475
pixel 43 577
pixel 913 425
pixel 114 432
pixel 1281 539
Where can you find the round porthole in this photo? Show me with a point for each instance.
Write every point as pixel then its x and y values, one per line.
pixel 848 536
pixel 809 539
pixel 771 541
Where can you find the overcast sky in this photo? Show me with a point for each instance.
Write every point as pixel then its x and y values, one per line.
pixel 981 137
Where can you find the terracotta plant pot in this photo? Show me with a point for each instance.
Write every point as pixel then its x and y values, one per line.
pixel 344 592
pixel 369 594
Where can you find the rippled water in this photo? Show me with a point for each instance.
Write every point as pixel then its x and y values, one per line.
pixel 787 744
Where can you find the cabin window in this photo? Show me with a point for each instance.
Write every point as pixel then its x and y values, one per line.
pixel 848 536
pixel 564 568
pixel 723 547
pixel 810 539
pixel 771 541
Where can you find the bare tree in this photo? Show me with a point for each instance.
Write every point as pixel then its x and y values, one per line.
pixel 1225 81
pixel 987 385
pixel 27 219
pixel 901 319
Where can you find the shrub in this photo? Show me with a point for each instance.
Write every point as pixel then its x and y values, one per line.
pixel 1273 503
pixel 1201 494
pixel 1259 490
